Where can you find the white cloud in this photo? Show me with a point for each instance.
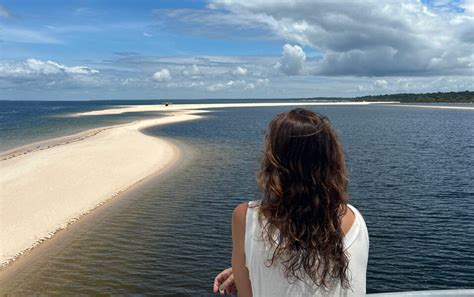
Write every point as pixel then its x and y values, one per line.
pixel 468 7
pixel 195 84
pixel 147 34
pixel 220 86
pixel 238 85
pixel 38 67
pixel 50 67
pixel 35 74
pixel 162 75
pixel 367 38
pixel 380 83
pixel 4 12
pixel 86 81
pixel 292 61
pixel 239 71
pixel 193 71
pixel 262 82
pixel 127 75
pixel 250 86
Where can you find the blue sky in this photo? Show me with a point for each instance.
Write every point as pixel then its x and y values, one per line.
pixel 86 50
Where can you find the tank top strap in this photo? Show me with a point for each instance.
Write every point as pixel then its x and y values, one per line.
pixel 250 227
pixel 353 231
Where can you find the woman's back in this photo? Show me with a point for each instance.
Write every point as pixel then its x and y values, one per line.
pixel 271 281
pixel 302 217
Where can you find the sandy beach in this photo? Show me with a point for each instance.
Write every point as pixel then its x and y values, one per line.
pixel 175 107
pixel 44 189
pixel 47 185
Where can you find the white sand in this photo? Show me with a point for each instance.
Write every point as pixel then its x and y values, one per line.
pixel 174 107
pixel 43 191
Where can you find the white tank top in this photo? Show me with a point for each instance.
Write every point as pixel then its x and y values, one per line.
pixel 271 282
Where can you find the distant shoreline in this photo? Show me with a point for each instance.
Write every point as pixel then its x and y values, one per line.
pixel 175 107
pixel 205 106
pixel 462 97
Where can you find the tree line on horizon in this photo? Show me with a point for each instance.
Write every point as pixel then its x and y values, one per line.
pixel 438 97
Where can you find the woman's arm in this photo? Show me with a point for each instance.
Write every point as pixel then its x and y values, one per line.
pixel 241 274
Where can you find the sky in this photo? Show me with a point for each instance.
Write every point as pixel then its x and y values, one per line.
pixel 100 50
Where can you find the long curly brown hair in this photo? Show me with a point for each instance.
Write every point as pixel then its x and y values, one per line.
pixel 304 185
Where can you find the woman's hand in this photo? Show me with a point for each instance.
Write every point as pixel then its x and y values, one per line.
pixel 224 282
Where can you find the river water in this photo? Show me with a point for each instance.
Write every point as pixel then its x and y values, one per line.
pixel 411 176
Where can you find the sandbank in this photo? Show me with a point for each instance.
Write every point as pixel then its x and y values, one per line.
pixel 176 107
pixel 43 190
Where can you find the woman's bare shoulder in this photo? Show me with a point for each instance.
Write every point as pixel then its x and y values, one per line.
pixel 240 213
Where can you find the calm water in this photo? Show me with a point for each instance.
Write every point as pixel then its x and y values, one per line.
pixel 24 122
pixel 411 176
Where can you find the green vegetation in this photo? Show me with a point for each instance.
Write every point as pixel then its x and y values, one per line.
pixel 439 97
